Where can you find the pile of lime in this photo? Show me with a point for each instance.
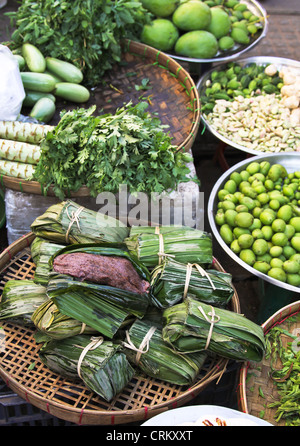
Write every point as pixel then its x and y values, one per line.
pixel 199 29
pixel 258 216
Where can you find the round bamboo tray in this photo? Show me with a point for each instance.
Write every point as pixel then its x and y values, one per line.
pixel 254 379
pixel 22 370
pixel 172 97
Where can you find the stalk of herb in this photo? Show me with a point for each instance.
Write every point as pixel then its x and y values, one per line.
pixel 85 32
pixel 102 152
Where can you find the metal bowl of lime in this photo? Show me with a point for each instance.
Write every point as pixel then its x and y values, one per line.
pixel 291 163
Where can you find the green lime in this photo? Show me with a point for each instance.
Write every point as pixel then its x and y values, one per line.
pixel 222 194
pixel 291 266
pixel 260 246
pixel 244 175
pixel 230 215
pixel 227 204
pixel 253 168
pixel 278 225
pixel 295 242
pixel 293 279
pixel 220 218
pixel 295 222
pixel 239 231
pixel 274 204
pixel 236 177
pixel 244 219
pixel 235 247
pixel 231 186
pixel 256 211
pixel 276 262
pixel 245 241
pixel 276 251
pixel 247 256
pixel 288 251
pixel 267 232
pixel 269 184
pixel 226 234
pixel 267 217
pixel 257 233
pixel 278 274
pixel 279 239
pixel 262 267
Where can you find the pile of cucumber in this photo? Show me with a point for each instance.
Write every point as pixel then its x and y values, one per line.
pixel 45 78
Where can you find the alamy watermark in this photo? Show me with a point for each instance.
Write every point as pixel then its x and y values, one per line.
pixel 140 209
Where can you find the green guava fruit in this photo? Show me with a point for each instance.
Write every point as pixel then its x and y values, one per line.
pixel 191 16
pixel 199 44
pixel 220 23
pixel 160 34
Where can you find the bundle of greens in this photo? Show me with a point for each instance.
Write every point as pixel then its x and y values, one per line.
pixel 68 222
pixel 85 32
pixel 101 365
pixel 146 349
pixel 172 281
pixel 102 152
pixel 193 326
pixel 19 300
pixel 49 320
pixel 152 245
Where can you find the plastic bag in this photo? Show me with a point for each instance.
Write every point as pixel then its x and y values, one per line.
pixel 12 92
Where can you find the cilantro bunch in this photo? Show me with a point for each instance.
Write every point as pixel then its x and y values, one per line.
pixel 84 32
pixel 102 152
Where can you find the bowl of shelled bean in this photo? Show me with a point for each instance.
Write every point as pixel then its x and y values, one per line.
pixel 254 214
pixel 253 104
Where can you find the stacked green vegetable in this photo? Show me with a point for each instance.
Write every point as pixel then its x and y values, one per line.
pixel 44 79
pixel 85 33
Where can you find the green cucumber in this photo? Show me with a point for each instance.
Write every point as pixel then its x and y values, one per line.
pixel 21 61
pixel 43 110
pixel 66 70
pixel 38 81
pixel 31 97
pixel 34 59
pixel 71 92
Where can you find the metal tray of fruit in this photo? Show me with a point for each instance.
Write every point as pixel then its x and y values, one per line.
pixel 291 162
pixel 279 62
pixel 238 50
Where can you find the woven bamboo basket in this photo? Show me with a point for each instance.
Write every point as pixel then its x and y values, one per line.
pixel 256 389
pixel 24 373
pixel 173 98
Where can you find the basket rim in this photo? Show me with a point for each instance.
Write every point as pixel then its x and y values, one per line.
pixel 89 416
pixel 158 58
pixel 277 318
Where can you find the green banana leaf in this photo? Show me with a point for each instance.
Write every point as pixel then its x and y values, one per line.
pixel 210 286
pixel 49 320
pixel 68 222
pixel 233 336
pixel 183 244
pixel 160 361
pixel 19 300
pixel 105 369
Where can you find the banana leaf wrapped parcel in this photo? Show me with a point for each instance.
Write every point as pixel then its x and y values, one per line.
pixel 152 245
pixel 100 364
pixel 172 281
pixel 68 222
pixel 101 285
pixel 49 320
pixel 19 300
pixel 41 252
pixel 146 349
pixel 193 326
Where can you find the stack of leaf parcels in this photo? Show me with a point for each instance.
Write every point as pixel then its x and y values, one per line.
pixel 68 222
pixel 104 368
pixel 19 300
pixel 170 279
pixel 187 328
pixel 152 245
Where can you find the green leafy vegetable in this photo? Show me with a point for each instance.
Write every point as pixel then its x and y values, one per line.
pixel 85 32
pixel 103 152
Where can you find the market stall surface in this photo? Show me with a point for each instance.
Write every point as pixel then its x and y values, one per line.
pixel 282 40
